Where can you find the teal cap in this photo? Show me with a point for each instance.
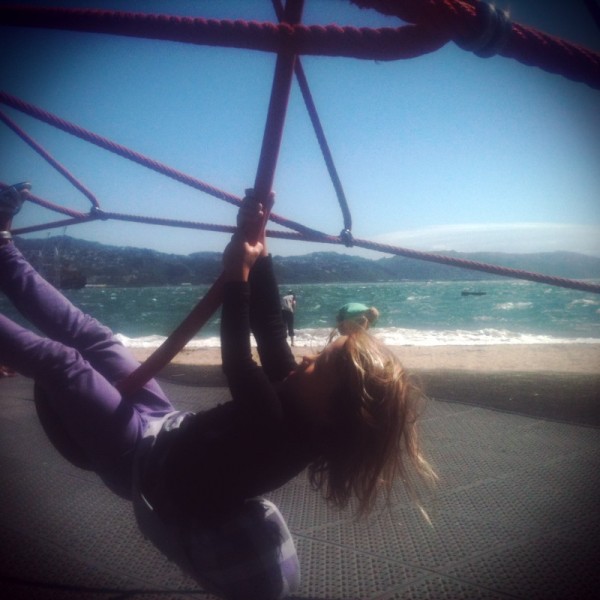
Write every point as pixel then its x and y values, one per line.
pixel 351 311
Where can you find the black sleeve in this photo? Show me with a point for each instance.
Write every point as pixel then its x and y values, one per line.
pixel 250 387
pixel 267 323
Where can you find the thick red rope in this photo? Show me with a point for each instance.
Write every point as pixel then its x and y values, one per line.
pixel 433 24
pixel 457 21
pixel 330 40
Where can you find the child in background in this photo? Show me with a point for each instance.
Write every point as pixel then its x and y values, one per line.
pixel 288 310
pixel 355 314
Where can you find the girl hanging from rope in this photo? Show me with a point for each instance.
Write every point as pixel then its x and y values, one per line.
pixel 349 415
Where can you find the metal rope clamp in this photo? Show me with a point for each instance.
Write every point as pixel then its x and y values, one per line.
pixel 98 213
pixel 346 237
pixel 493 30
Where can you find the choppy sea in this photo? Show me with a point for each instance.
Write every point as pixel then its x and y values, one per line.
pixel 412 313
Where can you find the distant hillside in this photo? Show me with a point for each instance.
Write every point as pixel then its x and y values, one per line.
pixel 118 265
pixel 126 266
pixel 558 264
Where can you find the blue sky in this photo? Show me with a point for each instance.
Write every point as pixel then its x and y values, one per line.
pixel 443 152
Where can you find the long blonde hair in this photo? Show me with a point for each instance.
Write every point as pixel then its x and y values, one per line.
pixel 372 436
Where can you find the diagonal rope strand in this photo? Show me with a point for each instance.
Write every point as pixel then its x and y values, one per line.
pixel 48 158
pixel 319 132
pixel 324 238
pixel 265 173
pixel 111 146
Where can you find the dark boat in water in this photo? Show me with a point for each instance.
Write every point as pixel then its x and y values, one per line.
pixel 71 279
pixel 468 293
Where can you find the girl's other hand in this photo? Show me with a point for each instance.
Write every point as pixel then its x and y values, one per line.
pixel 250 215
pixel 239 257
pixel 251 218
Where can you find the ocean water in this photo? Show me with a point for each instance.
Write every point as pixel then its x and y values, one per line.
pixel 412 313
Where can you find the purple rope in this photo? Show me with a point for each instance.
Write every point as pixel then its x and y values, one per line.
pixel 306 233
pixel 138 158
pixel 361 243
pixel 111 146
pixel 75 214
pixel 319 132
pixel 51 160
pixel 478 266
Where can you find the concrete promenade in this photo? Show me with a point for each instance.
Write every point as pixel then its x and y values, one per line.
pixel 516 515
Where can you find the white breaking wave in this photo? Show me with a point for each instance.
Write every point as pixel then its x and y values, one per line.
pixel 154 341
pixel 462 337
pixel 513 305
pixel 316 338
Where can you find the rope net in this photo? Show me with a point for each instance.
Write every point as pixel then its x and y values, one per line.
pixel 474 26
pixel 298 231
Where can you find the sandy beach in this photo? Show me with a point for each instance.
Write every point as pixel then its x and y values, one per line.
pixel 556 381
pixel 539 358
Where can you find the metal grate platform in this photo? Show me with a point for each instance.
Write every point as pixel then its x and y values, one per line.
pixel 516 515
